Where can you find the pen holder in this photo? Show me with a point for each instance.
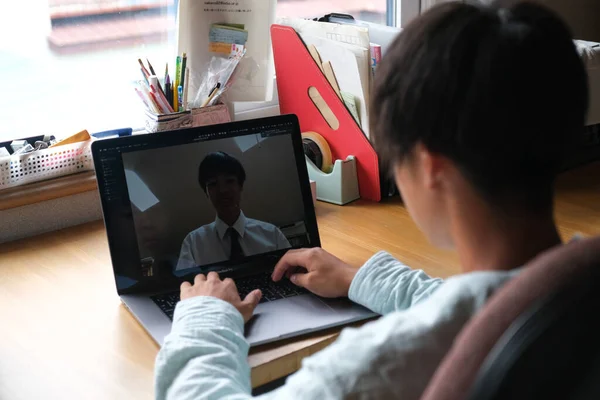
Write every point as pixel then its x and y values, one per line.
pixel 187 119
pixel 68 159
pixel 338 187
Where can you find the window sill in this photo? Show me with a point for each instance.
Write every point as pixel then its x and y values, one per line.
pixel 47 190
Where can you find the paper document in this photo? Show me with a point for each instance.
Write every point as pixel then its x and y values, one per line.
pixel 227 34
pixel 332 40
pixel 350 102
pixel 195 18
pixel 351 77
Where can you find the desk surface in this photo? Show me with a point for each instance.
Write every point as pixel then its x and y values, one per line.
pixel 64 333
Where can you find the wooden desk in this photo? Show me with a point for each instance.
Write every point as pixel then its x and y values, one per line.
pixel 64 333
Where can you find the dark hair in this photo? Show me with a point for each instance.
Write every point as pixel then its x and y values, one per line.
pixel 218 163
pixel 500 90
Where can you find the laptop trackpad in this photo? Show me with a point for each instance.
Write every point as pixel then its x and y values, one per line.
pixel 288 317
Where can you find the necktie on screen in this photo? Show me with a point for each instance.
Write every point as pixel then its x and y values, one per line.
pixel 236 252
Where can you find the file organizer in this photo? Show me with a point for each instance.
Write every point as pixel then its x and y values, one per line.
pixel 296 72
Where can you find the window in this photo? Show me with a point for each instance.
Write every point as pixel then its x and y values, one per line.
pixel 67 65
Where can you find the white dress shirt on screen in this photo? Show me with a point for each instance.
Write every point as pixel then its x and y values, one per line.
pixel 211 244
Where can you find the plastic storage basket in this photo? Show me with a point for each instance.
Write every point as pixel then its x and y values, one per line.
pixel 45 164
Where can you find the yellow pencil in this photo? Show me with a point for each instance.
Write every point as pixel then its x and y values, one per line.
pixel 175 100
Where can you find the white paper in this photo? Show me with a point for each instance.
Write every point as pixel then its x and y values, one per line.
pixel 194 20
pixel 351 71
pixel 353 39
pixel 344 33
pixel 139 193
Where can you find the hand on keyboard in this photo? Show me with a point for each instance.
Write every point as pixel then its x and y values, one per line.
pixel 212 285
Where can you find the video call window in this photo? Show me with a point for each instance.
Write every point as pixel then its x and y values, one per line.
pixel 206 203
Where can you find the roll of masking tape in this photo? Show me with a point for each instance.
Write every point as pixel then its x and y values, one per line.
pixel 318 151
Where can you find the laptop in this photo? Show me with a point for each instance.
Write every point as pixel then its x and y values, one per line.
pixel 230 198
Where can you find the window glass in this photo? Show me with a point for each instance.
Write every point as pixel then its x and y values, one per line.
pixel 67 65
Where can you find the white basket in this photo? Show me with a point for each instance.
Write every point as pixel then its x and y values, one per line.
pixel 45 164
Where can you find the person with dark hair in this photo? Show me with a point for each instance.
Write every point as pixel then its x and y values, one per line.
pixel 232 235
pixel 473 109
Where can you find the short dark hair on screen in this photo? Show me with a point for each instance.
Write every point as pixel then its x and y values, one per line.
pixel 499 89
pixel 218 163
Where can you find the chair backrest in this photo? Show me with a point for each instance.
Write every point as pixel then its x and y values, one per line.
pixel 548 292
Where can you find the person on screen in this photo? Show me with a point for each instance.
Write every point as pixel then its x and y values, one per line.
pixel 232 235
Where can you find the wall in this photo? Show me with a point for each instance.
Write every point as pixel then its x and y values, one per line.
pixel 172 175
pixel 47 216
pixel 583 16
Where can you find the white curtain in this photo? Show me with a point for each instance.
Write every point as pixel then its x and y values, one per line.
pixel 425 4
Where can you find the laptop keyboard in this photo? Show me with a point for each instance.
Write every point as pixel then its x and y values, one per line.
pixel 271 291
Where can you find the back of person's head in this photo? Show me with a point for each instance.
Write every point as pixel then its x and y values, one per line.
pixel 220 163
pixel 498 89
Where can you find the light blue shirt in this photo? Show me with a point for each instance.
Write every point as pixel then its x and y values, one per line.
pixel 210 243
pixel 205 355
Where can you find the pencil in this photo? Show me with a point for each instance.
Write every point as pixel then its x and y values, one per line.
pixel 186 87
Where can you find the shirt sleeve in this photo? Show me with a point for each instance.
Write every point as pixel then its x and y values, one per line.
pixel 186 258
pixel 280 240
pixel 385 285
pixel 205 356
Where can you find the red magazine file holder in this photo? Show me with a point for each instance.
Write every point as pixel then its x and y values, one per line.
pixel 296 73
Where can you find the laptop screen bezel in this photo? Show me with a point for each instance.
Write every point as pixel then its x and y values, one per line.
pixel 192 135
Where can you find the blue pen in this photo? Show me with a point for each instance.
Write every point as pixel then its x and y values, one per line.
pixel 180 98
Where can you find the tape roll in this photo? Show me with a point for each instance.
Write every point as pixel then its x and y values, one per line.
pixel 317 150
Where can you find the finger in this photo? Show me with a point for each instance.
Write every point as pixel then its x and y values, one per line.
pixel 252 299
pixel 199 278
pixel 300 280
pixel 212 276
pixel 229 281
pixel 185 285
pixel 295 270
pixel 291 259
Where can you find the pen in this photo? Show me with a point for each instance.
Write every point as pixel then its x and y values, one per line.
pixel 150 66
pixel 144 70
pixel 149 106
pixel 179 98
pixel 147 95
pixel 145 76
pixel 162 100
pixel 162 109
pixel 211 95
pixel 183 62
pixel 154 73
pixel 168 92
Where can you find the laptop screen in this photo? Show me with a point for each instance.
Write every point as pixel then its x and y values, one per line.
pixel 222 198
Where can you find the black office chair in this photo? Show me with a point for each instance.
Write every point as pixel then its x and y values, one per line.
pixel 536 338
pixel 550 352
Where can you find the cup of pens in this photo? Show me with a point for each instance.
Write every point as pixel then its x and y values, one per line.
pixel 166 103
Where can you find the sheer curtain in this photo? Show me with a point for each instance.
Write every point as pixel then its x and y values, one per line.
pixel 425 4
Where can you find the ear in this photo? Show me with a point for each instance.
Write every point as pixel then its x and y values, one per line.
pixel 432 166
